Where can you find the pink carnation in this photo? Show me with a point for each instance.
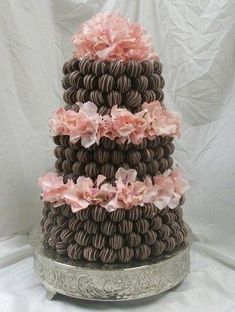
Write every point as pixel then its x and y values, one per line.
pixel 181 186
pixel 165 188
pixel 53 188
pixel 62 121
pixel 87 124
pixel 127 126
pixel 161 121
pixel 129 192
pixel 102 193
pixel 78 195
pixel 112 37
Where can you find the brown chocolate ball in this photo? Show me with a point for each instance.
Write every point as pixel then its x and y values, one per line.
pixel 108 170
pixel 133 157
pixel 92 170
pixel 101 156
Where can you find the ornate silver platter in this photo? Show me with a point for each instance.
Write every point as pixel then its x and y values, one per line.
pixel 108 282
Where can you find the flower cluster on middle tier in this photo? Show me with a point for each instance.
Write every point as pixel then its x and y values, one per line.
pixel 121 125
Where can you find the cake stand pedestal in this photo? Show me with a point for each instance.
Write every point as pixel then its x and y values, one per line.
pixel 104 282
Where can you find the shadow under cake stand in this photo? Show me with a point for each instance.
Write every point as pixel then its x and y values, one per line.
pixel 102 282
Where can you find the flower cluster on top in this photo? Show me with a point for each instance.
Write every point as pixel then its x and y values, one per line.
pixel 165 190
pixel 121 125
pixel 112 37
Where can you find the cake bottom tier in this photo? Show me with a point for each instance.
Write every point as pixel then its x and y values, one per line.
pixel 95 235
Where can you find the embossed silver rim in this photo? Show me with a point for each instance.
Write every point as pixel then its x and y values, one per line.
pixel 108 282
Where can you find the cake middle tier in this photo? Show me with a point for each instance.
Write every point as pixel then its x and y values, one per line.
pixel 112 83
pixel 150 158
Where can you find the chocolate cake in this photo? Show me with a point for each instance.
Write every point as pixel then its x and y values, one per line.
pixel 115 197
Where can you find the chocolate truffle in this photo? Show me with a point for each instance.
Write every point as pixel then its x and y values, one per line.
pixel 75 224
pixel 157 248
pixel 149 211
pixel 98 213
pixel 108 255
pixel 86 65
pixel 133 239
pixel 101 156
pixel 75 251
pixel 61 248
pixel 96 96
pixel 142 252
pixel 141 226
pixel 116 241
pixel 149 237
pixel 90 254
pixel 98 240
pixel 117 215
pixel 125 254
pixel 108 228
pixel 83 238
pixel 134 213
pixel 91 226
pixel 123 84
pixel 125 226
pixel 107 170
pixel 92 170
pixel 67 236
pixel 106 83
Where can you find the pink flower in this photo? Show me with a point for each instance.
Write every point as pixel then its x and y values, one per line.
pixel 105 128
pixel 131 195
pixel 111 37
pixel 124 177
pixel 103 192
pixel 129 192
pixel 161 121
pixel 122 125
pixel 78 195
pixel 127 126
pixel 181 186
pixel 53 188
pixel 87 123
pixel 61 122
pixel 164 187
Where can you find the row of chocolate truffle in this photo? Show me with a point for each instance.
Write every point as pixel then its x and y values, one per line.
pixel 131 100
pixel 107 83
pixel 111 230
pixel 101 223
pixel 116 68
pixel 100 214
pixel 111 145
pixel 72 170
pixel 115 241
pixel 97 219
pixel 117 156
pixel 107 255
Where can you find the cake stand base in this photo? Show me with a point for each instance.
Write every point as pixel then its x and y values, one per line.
pixel 104 282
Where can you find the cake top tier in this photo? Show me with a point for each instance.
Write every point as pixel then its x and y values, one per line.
pixel 112 37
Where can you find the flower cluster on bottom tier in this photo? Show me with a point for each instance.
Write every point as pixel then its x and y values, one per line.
pixel 95 235
pixel 127 192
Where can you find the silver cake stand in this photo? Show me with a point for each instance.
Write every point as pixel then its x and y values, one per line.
pixel 108 282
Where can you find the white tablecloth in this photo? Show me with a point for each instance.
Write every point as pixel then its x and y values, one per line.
pixel 209 287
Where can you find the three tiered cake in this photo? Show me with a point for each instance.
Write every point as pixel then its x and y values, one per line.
pixel 116 196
